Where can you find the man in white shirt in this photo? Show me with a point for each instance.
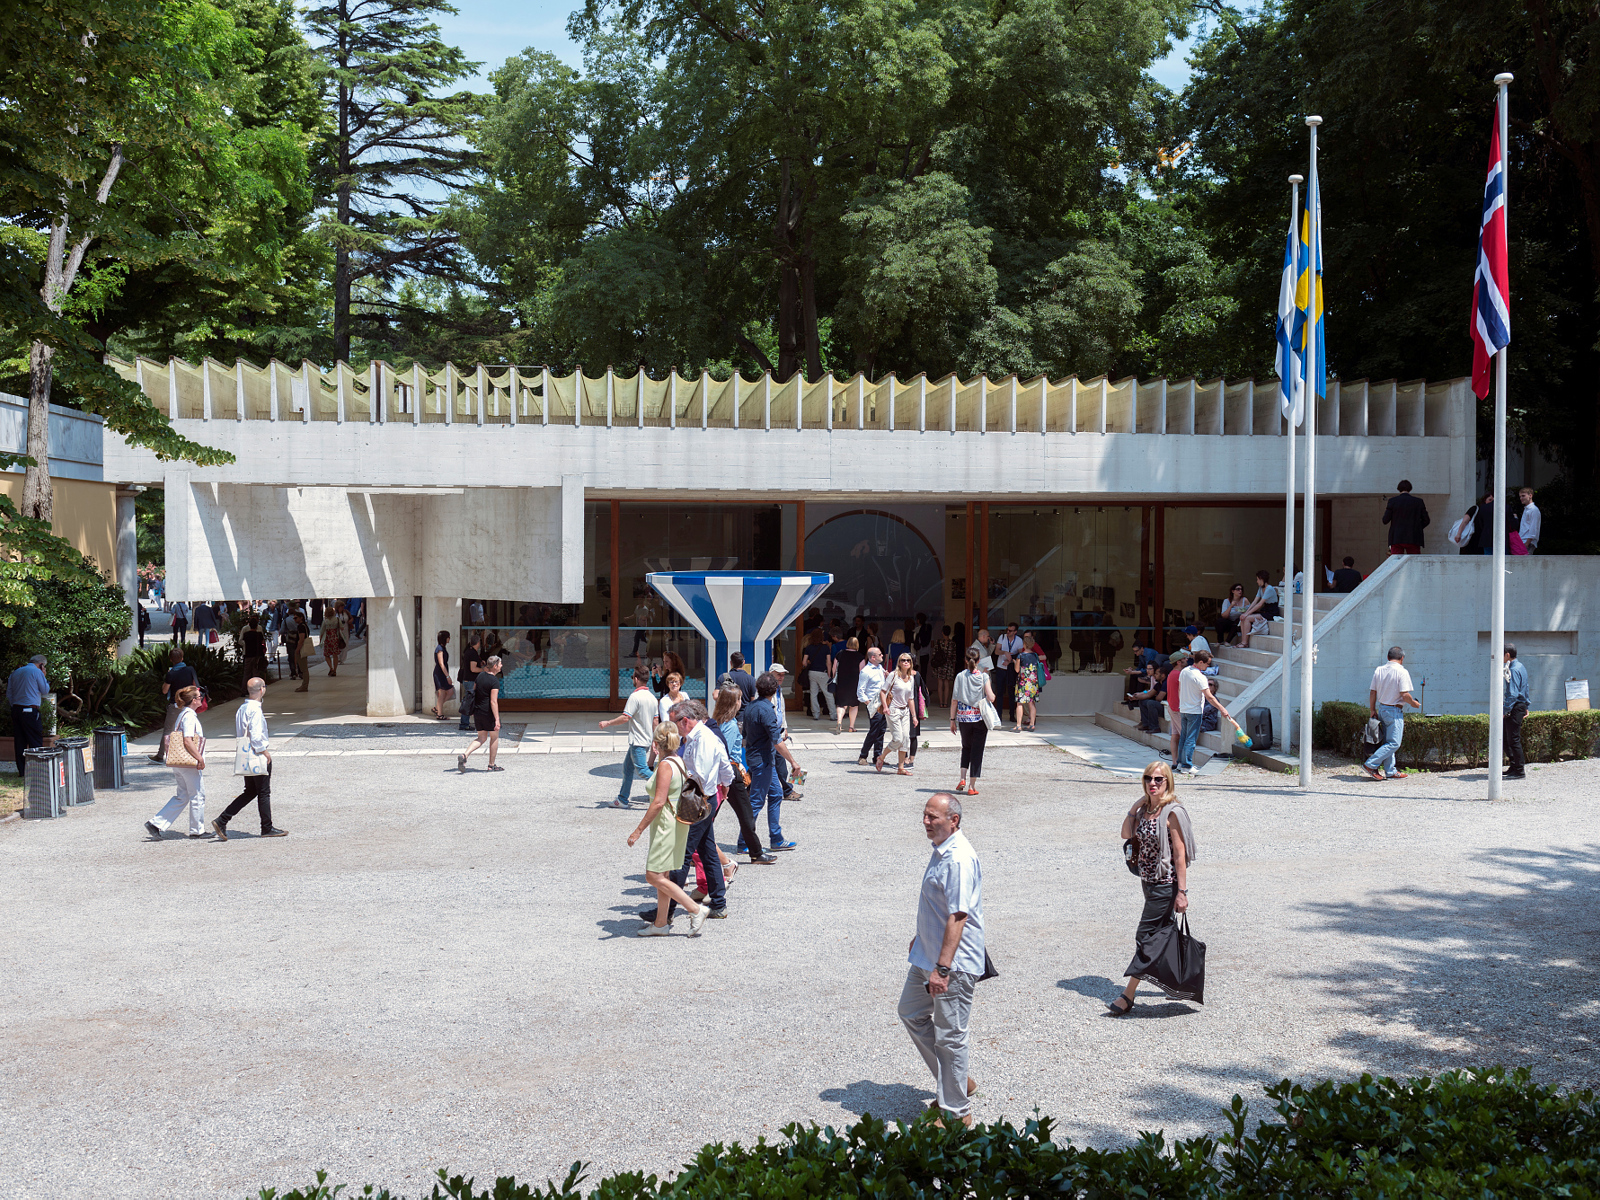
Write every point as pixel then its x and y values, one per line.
pixel 1390 691
pixel 1528 530
pixel 706 760
pixel 1010 641
pixel 640 714
pixel 250 735
pixel 1194 693
pixel 786 763
pixel 946 956
pixel 869 693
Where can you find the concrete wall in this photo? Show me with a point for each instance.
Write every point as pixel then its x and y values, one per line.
pixel 76 443
pixel 820 464
pixel 245 542
pixel 1437 608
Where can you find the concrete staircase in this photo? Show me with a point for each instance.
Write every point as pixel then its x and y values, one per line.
pixel 1238 670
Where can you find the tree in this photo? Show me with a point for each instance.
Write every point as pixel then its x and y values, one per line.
pixel 917 179
pixel 114 107
pixel 1406 95
pixel 392 139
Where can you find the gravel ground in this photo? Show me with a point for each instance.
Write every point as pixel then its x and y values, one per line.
pixel 438 971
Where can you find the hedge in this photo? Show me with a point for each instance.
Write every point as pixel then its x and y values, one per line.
pixel 1464 1134
pixel 1459 740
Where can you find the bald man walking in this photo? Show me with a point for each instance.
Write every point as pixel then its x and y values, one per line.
pixel 946 957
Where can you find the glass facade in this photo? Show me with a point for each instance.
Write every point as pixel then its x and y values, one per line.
pixel 1073 575
pixel 1087 580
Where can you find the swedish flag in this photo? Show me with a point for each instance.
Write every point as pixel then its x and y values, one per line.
pixel 1309 305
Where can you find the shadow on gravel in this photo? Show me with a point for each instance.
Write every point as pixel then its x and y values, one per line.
pixel 1096 987
pixel 1499 972
pixel 613 770
pixel 887 1101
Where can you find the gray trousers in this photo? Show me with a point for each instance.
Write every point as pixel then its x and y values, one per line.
pixel 938 1027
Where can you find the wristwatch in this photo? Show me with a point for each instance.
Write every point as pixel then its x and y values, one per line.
pixel 943 971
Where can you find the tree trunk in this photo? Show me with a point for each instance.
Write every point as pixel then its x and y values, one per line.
pixel 808 311
pixel 789 349
pixel 37 495
pixel 341 251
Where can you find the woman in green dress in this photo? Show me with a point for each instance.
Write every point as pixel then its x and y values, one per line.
pixel 669 837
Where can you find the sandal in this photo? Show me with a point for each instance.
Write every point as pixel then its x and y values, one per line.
pixel 1120 1012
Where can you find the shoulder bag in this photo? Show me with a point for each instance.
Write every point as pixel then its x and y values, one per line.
pixel 245 761
pixel 692 803
pixel 991 718
pixel 178 754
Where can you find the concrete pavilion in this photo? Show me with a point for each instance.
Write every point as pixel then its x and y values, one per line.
pixel 534 504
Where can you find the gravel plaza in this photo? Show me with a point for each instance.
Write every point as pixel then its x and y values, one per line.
pixel 438 971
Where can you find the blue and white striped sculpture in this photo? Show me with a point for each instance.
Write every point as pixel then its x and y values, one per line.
pixel 738 610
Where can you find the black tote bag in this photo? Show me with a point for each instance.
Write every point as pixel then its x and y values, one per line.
pixel 1173 960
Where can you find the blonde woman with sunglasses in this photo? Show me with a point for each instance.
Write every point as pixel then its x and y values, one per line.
pixel 1164 841
pixel 899 694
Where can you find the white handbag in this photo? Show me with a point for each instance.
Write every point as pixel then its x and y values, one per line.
pixel 1461 532
pixel 991 718
pixel 247 762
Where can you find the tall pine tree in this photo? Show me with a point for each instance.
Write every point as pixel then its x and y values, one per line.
pixel 398 145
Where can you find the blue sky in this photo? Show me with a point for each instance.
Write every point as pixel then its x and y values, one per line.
pixel 491 31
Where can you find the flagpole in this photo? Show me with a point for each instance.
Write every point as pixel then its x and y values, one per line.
pixel 1497 617
pixel 1309 537
pixel 1286 601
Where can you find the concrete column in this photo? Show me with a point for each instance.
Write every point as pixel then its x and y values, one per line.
pixel 128 563
pixel 391 651
pixel 440 612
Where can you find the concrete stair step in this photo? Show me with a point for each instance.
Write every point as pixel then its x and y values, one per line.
pixel 1258 660
pixel 1128 727
pixel 1209 745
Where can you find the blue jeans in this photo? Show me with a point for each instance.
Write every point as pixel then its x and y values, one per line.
pixel 466 705
pixel 1187 740
pixel 765 790
pixel 703 841
pixel 633 764
pixel 1394 728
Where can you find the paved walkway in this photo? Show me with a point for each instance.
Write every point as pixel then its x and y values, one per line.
pixel 326 721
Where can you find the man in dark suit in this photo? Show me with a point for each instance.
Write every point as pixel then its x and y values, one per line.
pixel 1406 516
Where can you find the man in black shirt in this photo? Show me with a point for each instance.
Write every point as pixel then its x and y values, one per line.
pixel 254 644
pixel 1347 578
pixel 485 714
pixel 467 675
pixel 739 677
pixel 179 676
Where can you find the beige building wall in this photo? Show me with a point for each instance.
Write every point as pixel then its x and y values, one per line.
pixel 85 515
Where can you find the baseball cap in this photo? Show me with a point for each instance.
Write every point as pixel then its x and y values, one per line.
pixel 778 669
pixel 1191 629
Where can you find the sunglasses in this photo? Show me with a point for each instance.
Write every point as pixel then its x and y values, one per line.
pixel 1148 778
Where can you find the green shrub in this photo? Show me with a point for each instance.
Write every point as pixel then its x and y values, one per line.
pixel 1459 740
pixel 76 621
pixel 1463 1135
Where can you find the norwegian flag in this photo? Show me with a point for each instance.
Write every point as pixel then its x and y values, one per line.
pixel 1491 285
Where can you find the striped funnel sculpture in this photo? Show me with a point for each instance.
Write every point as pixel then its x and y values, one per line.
pixel 738 610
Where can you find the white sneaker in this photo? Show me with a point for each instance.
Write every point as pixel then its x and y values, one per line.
pixel 656 930
pixel 699 919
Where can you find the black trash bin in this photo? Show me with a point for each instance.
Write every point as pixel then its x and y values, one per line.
pixel 46 781
pixel 110 748
pixel 80 783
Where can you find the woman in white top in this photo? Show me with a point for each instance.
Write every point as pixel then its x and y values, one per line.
pixel 673 694
pixel 187 779
pixel 967 720
pixel 1231 615
pixel 899 694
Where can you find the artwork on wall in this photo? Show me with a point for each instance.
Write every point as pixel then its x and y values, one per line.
pixel 958 588
pixel 1173 618
pixel 1126 610
pixel 1210 610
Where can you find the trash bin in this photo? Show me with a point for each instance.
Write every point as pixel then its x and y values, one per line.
pixel 110 748
pixel 80 783
pixel 46 781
